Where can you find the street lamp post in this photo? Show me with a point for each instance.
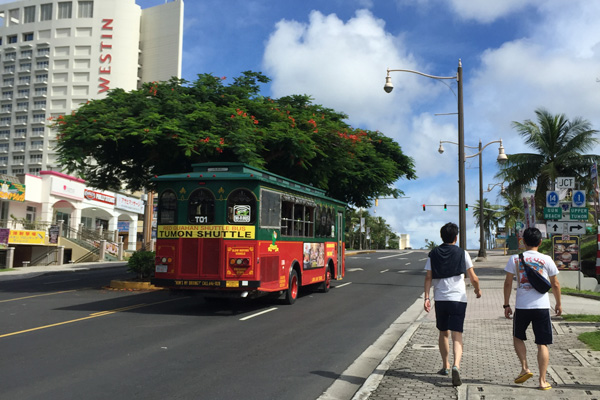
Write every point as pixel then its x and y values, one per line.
pixel 462 214
pixel 502 158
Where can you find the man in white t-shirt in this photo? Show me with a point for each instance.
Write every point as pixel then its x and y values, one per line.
pixel 531 306
pixel 446 268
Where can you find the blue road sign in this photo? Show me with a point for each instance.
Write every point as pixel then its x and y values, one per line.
pixel 551 198
pixel 578 198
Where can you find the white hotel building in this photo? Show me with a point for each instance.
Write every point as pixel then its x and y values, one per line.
pixel 56 55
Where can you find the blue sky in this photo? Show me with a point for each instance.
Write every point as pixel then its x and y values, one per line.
pixel 517 55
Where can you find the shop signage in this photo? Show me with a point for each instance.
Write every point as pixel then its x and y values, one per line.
pixel 130 204
pixel 67 188
pixel 100 197
pixel 12 191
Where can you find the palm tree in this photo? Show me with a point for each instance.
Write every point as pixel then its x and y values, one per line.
pixel 559 145
pixel 491 217
pixel 512 211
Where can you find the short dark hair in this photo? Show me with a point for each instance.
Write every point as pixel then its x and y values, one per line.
pixel 449 232
pixel 532 237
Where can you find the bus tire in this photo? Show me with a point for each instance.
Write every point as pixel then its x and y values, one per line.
pixel 291 294
pixel 326 284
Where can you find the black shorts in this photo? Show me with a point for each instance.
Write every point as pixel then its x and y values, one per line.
pixel 539 318
pixel 450 315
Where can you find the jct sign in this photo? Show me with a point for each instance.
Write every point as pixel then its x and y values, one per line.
pixel 565 183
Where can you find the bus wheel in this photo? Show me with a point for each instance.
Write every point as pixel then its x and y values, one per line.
pixel 327 282
pixel 291 294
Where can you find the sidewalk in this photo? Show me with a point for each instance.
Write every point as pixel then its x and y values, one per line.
pixel 30 272
pixel 489 364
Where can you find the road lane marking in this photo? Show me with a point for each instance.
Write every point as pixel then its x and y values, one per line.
pixel 355 269
pixel 382 271
pixel 258 313
pixel 37 295
pixel 342 285
pixel 393 255
pixel 94 315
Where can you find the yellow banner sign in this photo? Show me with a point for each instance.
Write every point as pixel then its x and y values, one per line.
pixel 26 237
pixel 205 231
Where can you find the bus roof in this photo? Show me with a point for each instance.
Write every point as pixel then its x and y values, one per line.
pixel 242 171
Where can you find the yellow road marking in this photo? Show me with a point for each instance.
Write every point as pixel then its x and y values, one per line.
pixel 36 295
pixel 94 315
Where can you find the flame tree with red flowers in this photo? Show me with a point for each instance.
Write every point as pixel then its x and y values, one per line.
pixel 165 127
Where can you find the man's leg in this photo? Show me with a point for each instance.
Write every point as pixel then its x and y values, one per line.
pixel 543 358
pixel 457 347
pixel 521 351
pixel 444 345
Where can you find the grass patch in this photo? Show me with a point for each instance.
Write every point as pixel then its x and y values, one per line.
pixel 592 339
pixel 576 292
pixel 581 317
pixel 5 269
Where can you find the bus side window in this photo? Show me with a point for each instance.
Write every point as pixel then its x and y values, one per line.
pixel 167 208
pixel 287 218
pixel 241 207
pixel 309 218
pixel 201 207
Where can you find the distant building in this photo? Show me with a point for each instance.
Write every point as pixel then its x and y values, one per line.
pixel 57 55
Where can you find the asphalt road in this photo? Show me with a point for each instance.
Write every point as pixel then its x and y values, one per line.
pixel 64 336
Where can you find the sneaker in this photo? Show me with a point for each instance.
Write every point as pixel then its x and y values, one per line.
pixel 444 371
pixel 456 376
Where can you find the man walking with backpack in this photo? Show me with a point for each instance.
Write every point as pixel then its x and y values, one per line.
pixel 531 306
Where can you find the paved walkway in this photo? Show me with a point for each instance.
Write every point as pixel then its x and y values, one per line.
pixel 489 364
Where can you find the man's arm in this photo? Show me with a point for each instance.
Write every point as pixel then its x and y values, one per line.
pixel 428 280
pixel 474 281
pixel 507 291
pixel 556 293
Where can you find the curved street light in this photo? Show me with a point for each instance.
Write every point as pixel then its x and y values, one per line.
pixel 462 215
pixel 502 158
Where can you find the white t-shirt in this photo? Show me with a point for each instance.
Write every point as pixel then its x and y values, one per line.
pixel 452 288
pixel 527 296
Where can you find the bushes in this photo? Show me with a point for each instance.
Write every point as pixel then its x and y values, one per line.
pixel 141 263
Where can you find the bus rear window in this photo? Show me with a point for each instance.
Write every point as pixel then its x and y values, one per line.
pixel 201 207
pixel 241 207
pixel 167 208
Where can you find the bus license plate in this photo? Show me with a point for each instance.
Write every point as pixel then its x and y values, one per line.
pixel 162 268
pixel 232 284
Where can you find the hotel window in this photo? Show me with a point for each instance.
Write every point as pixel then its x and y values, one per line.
pixel 13 17
pixel 8 82
pixel 41 78
pixel 25 67
pixel 85 9
pixel 36 133
pixel 41 91
pixel 6 108
pixel 44 51
pixel 5 134
pixel 7 95
pixel 10 56
pixel 39 117
pixel 37 144
pixel 20 133
pixel 5 121
pixel 24 80
pixel 39 105
pixel 26 53
pixel 36 158
pixel 29 14
pixel 42 64
pixel 22 93
pixel 9 69
pixel 19 159
pixel 4 160
pixel 17 171
pixel 46 12
pixel 22 119
pixel 35 171
pixel 65 9
pixel 22 106
pixel 12 39
pixel 4 148
pixel 20 146
pixel 28 37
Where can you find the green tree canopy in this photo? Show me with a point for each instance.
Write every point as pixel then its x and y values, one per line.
pixel 165 127
pixel 559 145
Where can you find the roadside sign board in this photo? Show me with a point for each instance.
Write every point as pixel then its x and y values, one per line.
pixel 568 228
pixel 566 252
pixel 553 213
pixel 552 198
pixel 578 198
pixel 579 213
pixel 565 183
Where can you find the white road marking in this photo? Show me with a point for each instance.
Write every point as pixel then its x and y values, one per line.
pixel 342 285
pixel 385 270
pixel 257 314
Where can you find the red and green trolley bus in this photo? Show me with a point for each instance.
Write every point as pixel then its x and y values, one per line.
pixel 234 230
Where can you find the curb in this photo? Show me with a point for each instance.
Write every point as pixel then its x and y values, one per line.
pixel 128 285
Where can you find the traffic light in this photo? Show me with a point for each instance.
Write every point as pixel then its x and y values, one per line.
pixel 445 208
pixel 423 207
pixel 467 207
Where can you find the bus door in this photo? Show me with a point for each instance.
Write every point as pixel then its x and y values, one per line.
pixel 340 240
